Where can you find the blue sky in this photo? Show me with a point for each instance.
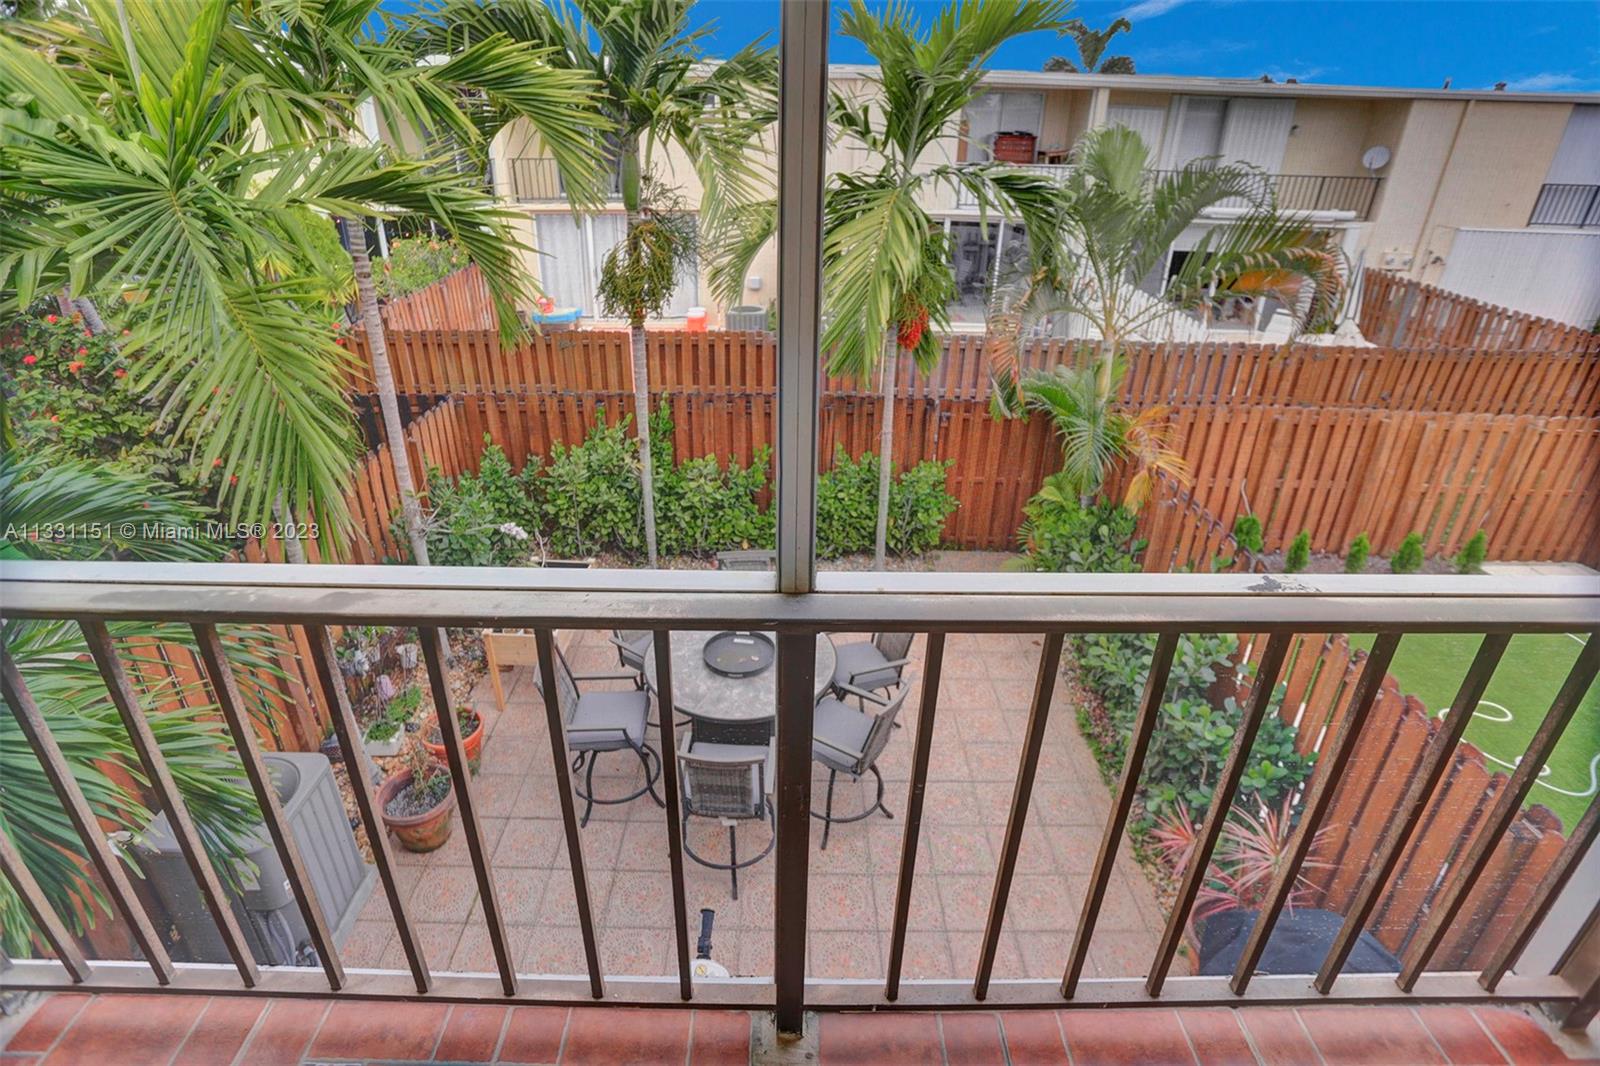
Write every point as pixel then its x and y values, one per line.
pixel 1535 45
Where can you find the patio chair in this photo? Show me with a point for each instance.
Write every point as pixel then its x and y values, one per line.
pixel 871 665
pixel 632 644
pixel 848 741
pixel 599 722
pixel 731 783
pixel 756 559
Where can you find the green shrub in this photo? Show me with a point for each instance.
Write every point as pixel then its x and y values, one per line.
pixel 847 506
pixel 463 528
pixel 71 391
pixel 1469 560
pixel 1058 534
pixel 1355 560
pixel 591 493
pixel 415 263
pixel 1407 559
pixel 1298 557
pixel 702 508
pixel 516 497
pixel 1247 532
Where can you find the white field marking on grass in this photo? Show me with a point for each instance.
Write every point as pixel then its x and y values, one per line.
pixel 1504 716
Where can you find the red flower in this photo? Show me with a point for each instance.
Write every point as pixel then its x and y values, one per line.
pixel 216 462
pixel 88 333
pixel 55 418
pixel 126 332
pixel 75 366
pixel 50 319
pixel 233 479
pixel 119 373
pixel 29 360
pixel 83 351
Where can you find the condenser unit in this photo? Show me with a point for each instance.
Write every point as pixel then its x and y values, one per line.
pixel 265 909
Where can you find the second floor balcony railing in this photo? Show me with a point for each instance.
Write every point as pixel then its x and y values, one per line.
pixel 1560 204
pixel 536 179
pixel 209 601
pixel 1354 195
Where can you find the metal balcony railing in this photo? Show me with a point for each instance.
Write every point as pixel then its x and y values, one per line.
pixel 1056 172
pixel 314 598
pixel 1577 206
pixel 1315 192
pixel 536 179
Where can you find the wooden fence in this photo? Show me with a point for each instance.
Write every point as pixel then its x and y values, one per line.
pixel 1320 676
pixel 457 301
pixel 1399 312
pixel 1531 482
pixel 443 362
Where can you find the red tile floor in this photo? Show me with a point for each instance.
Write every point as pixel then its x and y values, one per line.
pixel 71 1029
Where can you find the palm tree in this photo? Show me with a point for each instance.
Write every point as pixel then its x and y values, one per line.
pixel 1091 46
pixel 52 656
pixel 323 62
pixel 657 89
pixel 886 264
pixel 1116 222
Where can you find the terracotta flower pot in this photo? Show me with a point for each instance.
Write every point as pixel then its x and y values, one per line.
pixel 417 832
pixel 472 744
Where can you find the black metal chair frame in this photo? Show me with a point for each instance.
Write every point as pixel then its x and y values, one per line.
pixel 686 760
pixel 865 762
pixel 585 760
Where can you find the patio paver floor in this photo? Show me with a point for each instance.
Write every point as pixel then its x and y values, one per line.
pixel 982 713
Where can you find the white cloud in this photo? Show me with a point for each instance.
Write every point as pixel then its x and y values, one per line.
pixel 1298 73
pixel 1149 9
pixel 1545 82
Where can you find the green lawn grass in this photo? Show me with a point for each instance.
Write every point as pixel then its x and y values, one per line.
pixel 1430 666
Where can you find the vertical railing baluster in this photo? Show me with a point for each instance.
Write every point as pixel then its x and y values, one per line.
pixel 1155 691
pixel 1021 794
pixel 59 773
pixel 569 816
pixel 44 916
pixel 433 652
pixel 916 792
pixel 797 669
pixel 669 788
pixel 1408 814
pixel 1507 805
pixel 225 689
pixel 216 900
pixel 1326 777
pixel 345 728
pixel 1550 886
pixel 1221 801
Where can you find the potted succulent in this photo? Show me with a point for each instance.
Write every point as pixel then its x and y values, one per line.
pixel 385 736
pixel 418 802
pixel 470 725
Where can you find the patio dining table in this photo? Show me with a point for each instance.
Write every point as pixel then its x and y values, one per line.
pixel 728 710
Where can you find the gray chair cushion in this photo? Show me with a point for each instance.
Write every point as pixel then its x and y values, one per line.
pixel 621 714
pixel 859 658
pixel 841 724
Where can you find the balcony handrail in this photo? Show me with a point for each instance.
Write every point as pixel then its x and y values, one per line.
pixel 314 597
pixel 989 602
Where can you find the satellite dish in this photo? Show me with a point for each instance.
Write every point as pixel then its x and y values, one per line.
pixel 1375 158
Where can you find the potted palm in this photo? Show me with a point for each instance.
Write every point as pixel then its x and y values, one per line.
pixel 469 724
pixel 417 803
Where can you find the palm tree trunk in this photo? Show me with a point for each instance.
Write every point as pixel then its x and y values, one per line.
pixel 632 201
pixel 293 550
pixel 383 380
pixel 641 407
pixel 891 362
pixel 91 314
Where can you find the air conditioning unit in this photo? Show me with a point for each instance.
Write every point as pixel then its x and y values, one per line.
pixel 266 910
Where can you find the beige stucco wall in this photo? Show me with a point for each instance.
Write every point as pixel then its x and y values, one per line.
pixel 1500 161
pixel 1328 136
